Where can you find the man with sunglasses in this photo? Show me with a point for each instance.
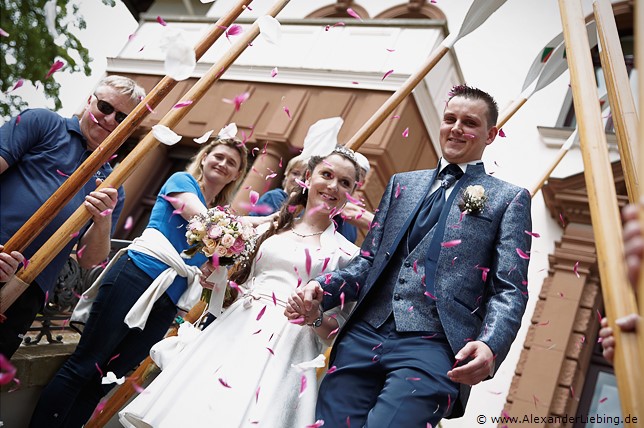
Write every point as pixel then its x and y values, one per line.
pixel 39 149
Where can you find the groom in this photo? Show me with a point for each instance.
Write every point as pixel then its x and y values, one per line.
pixel 440 285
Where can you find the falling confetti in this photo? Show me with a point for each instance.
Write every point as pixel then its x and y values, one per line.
pixel 353 13
pixel 57 65
pixel 238 100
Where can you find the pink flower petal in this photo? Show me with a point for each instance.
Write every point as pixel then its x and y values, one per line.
pixel 331 369
pixel 287 111
pixel 3 33
pixel 430 295
pixel 74 235
pixel 274 72
pixel 161 21
pixel 452 243
pixel 326 262
pixel 533 234
pixel 234 30
pixel 415 266
pixel 575 269
pixel 182 104
pixel 387 74
pixel 308 261
pixel 261 313
pixel 342 300
pixel 99 369
pixel 129 222
pixel 405 133
pixel 484 272
pixel 79 254
pixel 18 84
pixel 106 212
pixel 7 370
pixel 224 383
pixel 303 383
pixel 91 116
pixel 353 13
pixel 57 65
pixel 238 100
pixel 257 394
pixel 333 333
pixel 254 197
pixel 522 254
pixel 397 194
pixel 501 133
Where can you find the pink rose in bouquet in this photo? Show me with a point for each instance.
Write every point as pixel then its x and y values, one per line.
pixel 219 232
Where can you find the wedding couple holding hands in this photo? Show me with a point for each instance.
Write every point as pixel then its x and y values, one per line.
pixel 428 307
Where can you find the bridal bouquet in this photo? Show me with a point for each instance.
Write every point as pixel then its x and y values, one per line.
pixel 223 236
pixel 219 234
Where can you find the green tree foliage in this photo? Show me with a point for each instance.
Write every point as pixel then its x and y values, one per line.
pixel 29 51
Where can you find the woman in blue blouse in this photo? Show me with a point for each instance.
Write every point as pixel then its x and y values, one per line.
pixel 140 292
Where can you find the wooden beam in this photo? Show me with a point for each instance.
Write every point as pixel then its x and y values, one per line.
pixel 619 298
pixel 620 96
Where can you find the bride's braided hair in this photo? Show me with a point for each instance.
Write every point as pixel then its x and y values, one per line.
pixel 290 210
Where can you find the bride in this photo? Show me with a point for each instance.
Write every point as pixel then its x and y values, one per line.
pixel 243 369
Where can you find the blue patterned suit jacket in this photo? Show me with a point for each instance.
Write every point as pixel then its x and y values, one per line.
pixel 474 303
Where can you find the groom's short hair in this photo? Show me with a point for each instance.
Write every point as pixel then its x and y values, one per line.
pixel 473 93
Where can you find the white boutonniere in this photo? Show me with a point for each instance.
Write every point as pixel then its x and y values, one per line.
pixel 474 199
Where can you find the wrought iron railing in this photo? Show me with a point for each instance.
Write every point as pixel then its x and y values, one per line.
pixel 71 283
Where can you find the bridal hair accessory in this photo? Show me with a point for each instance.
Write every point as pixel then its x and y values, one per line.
pixel 322 140
pixel 474 199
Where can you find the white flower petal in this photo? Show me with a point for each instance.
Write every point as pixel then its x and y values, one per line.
pixel 50 18
pixel 270 29
pixel 317 362
pixel 180 60
pixel 228 131
pixel 165 135
pixel 111 378
pixel 204 137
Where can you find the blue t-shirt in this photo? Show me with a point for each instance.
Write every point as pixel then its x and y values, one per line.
pixel 173 227
pixel 42 150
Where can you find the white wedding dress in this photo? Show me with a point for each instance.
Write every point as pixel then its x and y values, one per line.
pixel 239 372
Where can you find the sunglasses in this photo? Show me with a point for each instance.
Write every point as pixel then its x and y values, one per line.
pixel 107 109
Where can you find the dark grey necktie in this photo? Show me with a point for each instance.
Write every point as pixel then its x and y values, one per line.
pixel 432 206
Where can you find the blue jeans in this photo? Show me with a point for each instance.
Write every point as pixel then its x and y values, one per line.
pixel 107 343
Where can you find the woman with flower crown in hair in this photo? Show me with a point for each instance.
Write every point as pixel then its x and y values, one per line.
pixel 139 292
pixel 252 366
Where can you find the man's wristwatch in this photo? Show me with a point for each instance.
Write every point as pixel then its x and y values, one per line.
pixel 318 321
